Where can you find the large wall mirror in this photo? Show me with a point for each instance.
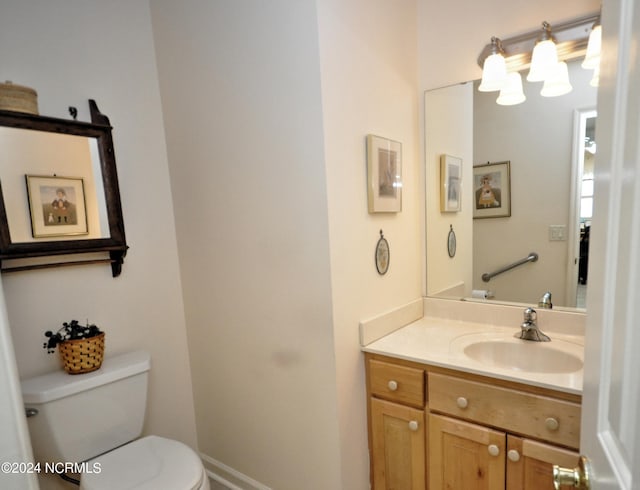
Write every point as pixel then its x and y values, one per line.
pixel 549 143
pixel 59 195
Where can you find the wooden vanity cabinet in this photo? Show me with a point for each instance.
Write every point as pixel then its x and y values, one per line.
pixel 398 442
pixel 532 468
pixel 442 429
pixel 465 456
pixel 473 457
pixel 397 433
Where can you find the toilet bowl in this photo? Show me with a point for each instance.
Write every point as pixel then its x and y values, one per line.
pixel 149 463
pixel 95 420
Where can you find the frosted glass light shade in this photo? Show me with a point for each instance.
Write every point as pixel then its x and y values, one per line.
pixel 592 58
pixel 494 73
pixel 511 93
pixel 544 58
pixel 558 81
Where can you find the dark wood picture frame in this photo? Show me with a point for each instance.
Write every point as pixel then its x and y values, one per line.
pixel 115 244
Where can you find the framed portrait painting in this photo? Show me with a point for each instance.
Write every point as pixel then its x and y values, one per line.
pixel 492 190
pixel 384 175
pixel 450 184
pixel 57 206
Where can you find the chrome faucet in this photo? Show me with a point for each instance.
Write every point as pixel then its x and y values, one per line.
pixel 529 328
pixel 545 301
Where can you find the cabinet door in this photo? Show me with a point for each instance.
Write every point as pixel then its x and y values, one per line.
pixel 398 446
pixel 530 463
pixel 465 456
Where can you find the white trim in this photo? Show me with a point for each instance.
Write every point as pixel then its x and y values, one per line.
pixel 229 477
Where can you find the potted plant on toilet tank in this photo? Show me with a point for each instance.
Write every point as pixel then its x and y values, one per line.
pixel 81 347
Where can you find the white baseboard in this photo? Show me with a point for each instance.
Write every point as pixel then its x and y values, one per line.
pixel 227 476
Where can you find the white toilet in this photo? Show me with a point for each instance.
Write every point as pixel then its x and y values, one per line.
pixel 94 419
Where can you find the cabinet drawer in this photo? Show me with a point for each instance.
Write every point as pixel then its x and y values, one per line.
pixel 397 383
pixel 522 413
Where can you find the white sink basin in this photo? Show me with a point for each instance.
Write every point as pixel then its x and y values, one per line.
pixel 511 353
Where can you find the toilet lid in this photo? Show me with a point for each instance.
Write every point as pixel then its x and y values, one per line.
pixel 150 463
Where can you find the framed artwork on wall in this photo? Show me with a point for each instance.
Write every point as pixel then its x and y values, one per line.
pixel 450 184
pixel 384 175
pixel 492 190
pixel 57 206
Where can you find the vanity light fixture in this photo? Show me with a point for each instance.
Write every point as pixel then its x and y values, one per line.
pixel 544 57
pixel 557 82
pixel 494 68
pixel 570 41
pixel 592 58
pixel 511 93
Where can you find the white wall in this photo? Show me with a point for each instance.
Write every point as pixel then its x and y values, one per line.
pixel 240 85
pixel 248 158
pixel 537 137
pixel 449 130
pixel 369 57
pixel 70 51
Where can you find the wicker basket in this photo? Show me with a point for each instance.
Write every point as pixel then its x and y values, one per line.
pixel 82 355
pixel 18 98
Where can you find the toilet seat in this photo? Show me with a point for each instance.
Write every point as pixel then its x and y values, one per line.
pixel 149 463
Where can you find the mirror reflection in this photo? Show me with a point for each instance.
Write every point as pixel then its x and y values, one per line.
pixel 59 210
pixel 549 143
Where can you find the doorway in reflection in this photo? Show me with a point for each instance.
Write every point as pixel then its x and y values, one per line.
pixel 587 152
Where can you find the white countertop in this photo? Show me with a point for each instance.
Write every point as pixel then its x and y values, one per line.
pixel 440 342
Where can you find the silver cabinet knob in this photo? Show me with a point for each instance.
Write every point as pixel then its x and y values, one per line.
pixel 493 450
pixel 513 455
pixel 392 385
pixel 413 425
pixel 462 402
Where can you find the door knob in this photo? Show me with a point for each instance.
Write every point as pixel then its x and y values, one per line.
pixel 578 477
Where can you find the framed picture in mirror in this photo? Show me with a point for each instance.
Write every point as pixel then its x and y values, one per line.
pixel 450 180
pixel 384 172
pixel 57 206
pixel 492 190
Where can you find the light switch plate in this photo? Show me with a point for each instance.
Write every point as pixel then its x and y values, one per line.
pixel 557 233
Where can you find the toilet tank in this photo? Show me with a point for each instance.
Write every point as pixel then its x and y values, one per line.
pixel 80 416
